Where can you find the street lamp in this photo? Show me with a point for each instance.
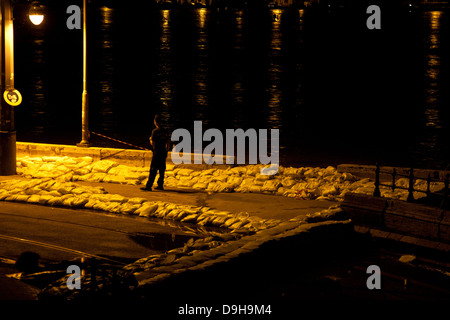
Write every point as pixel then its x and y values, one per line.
pixel 11 97
pixel 84 97
pixel 36 13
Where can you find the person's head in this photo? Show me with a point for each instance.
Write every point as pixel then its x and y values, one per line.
pixel 157 120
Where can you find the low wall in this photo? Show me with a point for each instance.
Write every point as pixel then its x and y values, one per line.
pixel 398 216
pixel 137 158
pixel 124 156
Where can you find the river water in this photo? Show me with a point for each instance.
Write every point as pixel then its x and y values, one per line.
pixel 337 91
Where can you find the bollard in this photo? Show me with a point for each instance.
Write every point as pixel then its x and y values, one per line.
pixel 445 195
pixel 394 173
pixel 376 192
pixel 411 186
pixel 428 184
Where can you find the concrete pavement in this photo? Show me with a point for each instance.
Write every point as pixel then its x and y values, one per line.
pixel 262 205
pixel 281 256
pixel 266 206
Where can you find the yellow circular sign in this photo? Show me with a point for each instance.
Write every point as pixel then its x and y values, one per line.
pixel 12 97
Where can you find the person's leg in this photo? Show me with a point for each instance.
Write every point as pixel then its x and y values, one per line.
pixel 152 173
pixel 160 181
pixel 162 170
pixel 151 178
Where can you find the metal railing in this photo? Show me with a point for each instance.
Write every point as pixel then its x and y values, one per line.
pixel 412 179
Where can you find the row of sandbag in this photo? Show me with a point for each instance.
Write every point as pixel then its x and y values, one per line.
pixel 70 194
pixel 304 182
pixel 301 183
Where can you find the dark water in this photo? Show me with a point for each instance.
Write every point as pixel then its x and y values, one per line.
pixel 337 91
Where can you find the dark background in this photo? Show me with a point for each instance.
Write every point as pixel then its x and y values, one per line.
pixel 337 91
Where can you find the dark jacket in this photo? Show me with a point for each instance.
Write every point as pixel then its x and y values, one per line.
pixel 160 140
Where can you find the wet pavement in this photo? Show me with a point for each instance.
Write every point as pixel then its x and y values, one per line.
pixel 328 269
pixel 324 270
pixel 61 233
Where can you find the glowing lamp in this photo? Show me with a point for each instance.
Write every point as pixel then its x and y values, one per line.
pixel 36 13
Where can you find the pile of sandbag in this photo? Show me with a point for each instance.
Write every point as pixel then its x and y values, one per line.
pixel 196 254
pixel 300 183
pixel 80 169
pixel 310 183
pixel 70 194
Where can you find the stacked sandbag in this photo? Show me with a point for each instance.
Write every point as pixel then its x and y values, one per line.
pixel 299 183
pixel 199 254
pixel 70 194
pixel 80 169
pixel 182 256
pixel 61 168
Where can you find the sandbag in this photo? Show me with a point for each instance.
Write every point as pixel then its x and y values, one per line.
pixel 288 182
pixel 173 214
pixel 186 183
pixel 68 201
pixel 220 178
pixel 114 179
pixel 44 199
pixel 3 195
pixel 220 187
pixel 234 181
pixel 114 207
pixel 205 220
pixel 238 170
pixel 90 204
pixel 34 198
pixel 55 201
pixel 128 208
pixel 245 185
pixel 146 210
pixel 190 218
pixel 79 202
pixel 117 198
pixel 200 185
pixel 255 189
pixel 211 186
pixel 103 166
pixel 327 190
pixel 183 172
pixel 48 167
pixel 271 185
pixel 136 200
pixel 97 177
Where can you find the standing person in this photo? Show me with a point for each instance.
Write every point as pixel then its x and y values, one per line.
pixel 161 143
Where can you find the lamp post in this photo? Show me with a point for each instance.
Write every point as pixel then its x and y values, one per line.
pixel 7 127
pixel 9 97
pixel 84 97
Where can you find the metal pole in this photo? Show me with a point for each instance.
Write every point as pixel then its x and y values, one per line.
pixel 445 195
pixel 7 126
pixel 84 98
pixel 411 186
pixel 376 192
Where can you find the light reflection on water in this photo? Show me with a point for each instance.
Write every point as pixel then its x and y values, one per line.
pixel 165 89
pixel 200 76
pixel 232 70
pixel 430 141
pixel 274 72
pixel 107 84
pixel 38 98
